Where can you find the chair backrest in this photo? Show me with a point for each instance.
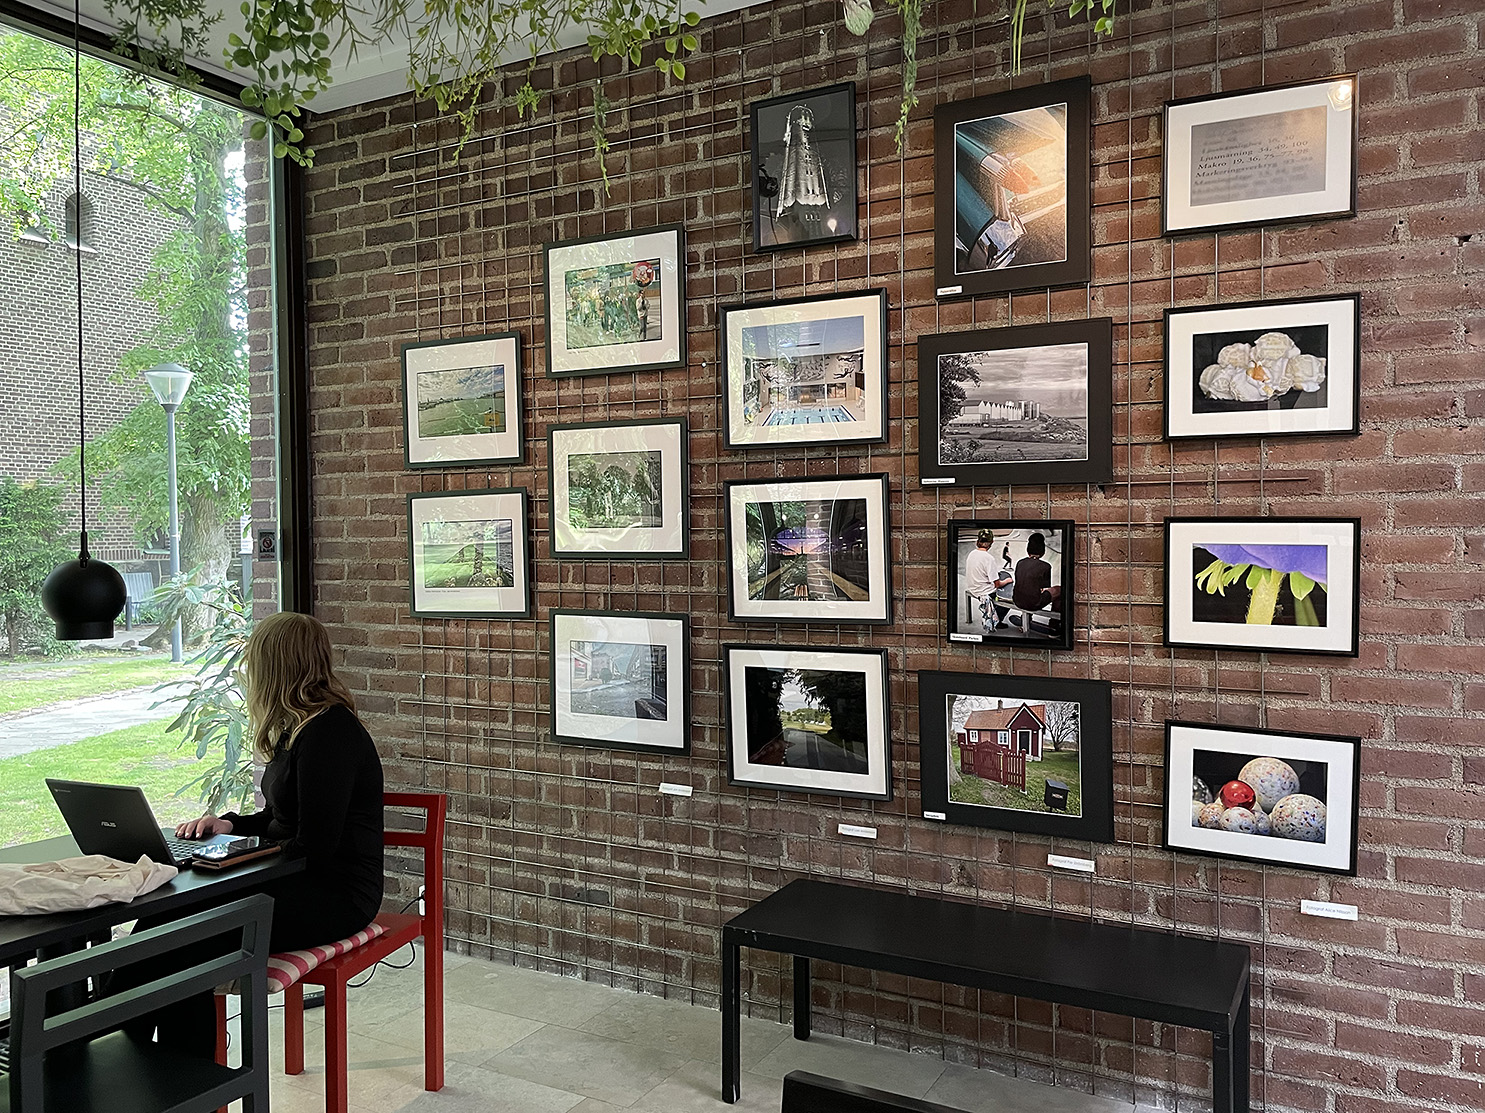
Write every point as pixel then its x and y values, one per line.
pixel 38 1025
pixel 429 840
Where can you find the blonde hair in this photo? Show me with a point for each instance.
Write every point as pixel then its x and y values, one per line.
pixel 289 679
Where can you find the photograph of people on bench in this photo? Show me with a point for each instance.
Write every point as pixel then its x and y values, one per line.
pixel 1010 582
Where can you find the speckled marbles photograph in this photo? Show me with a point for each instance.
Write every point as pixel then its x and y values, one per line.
pixel 1264 796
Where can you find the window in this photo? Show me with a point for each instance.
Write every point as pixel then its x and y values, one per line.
pixel 79 222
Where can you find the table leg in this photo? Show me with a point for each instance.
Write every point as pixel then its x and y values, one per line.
pixel 1241 1049
pixel 1222 1064
pixel 801 998
pixel 731 1021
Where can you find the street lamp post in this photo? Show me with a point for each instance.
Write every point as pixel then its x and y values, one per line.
pixel 170 381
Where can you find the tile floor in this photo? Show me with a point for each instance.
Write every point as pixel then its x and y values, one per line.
pixel 519 1041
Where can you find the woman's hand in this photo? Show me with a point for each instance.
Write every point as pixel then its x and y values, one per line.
pixel 203 828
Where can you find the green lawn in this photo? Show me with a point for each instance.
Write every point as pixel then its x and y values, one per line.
pixel 1061 767
pixel 28 685
pixel 143 755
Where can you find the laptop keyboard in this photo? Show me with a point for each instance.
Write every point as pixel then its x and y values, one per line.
pixel 181 849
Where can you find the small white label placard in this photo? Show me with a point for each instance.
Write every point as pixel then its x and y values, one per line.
pixel 670 789
pixel 1063 862
pixel 858 832
pixel 1328 910
pixel 941 481
pixel 945 291
pixel 936 815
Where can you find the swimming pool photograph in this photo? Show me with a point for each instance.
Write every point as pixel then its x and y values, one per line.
pixel 806 370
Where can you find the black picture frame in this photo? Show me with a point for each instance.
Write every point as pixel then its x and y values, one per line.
pixel 780 140
pixel 995 167
pixel 1006 765
pixel 1216 616
pixel 1049 626
pixel 661 718
pixel 1182 213
pixel 1032 362
pixel 432 512
pixel 803 317
pixel 670 537
pixel 752 709
pixel 661 251
pixel 1322 768
pixel 429 367
pixel 1195 334
pixel 848 533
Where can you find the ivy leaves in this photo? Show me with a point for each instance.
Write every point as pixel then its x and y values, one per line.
pixel 287 52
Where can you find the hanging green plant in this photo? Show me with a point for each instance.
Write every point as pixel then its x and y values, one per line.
pixel 857 16
pixel 456 47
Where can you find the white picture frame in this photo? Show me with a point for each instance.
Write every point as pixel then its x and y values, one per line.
pixel 586 516
pixel 462 401
pixel 468 554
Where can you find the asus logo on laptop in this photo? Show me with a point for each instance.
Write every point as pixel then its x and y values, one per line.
pixel 107 824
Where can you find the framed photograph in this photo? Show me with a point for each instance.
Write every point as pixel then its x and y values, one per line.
pixel 1012 169
pixel 1027 404
pixel 1272 585
pixel 806 370
pixel 621 680
pixel 1018 753
pixel 1263 156
pixel 468 554
pixel 617 302
pixel 1264 368
pixel 461 401
pixel 808 550
pixel 619 488
pixel 1010 582
pixel 804 168
pixel 809 720
pixel 1262 795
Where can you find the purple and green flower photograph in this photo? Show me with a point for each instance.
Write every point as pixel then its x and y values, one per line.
pixel 1260 585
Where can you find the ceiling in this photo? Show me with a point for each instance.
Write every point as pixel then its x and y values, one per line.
pixel 375 72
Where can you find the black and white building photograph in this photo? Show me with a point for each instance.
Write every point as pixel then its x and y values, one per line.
pixel 804 168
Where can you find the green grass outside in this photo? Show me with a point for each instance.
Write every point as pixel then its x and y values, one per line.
pixel 143 755
pixel 1059 766
pixel 31 685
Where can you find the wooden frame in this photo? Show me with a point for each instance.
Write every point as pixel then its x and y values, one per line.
pixel 1295 798
pixel 1313 599
pixel 1011 190
pixel 1219 149
pixel 659 531
pixel 822 122
pixel 596 335
pixel 761 679
pixel 1018 423
pixel 771 331
pixel 783 587
pixel 486 516
pixel 1304 380
pixel 461 401
pixel 990 724
pixel 658 722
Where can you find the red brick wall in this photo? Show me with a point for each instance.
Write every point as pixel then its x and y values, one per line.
pixel 570 860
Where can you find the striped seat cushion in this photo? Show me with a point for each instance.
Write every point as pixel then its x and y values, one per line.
pixel 287 967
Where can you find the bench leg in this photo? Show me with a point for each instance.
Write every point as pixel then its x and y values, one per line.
pixel 1230 1068
pixel 801 998
pixel 731 1022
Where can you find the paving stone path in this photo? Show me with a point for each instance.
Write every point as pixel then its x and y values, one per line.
pixel 74 720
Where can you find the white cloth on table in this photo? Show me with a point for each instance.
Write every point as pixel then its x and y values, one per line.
pixel 73 884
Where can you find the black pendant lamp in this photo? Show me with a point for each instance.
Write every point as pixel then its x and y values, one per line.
pixel 83 596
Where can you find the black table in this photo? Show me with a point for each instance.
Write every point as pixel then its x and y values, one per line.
pixel 189 891
pixel 1155 975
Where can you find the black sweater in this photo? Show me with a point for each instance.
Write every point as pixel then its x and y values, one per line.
pixel 324 804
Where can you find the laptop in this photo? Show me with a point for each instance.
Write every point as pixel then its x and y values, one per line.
pixel 116 820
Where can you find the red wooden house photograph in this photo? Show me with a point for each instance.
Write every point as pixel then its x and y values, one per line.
pixel 992 740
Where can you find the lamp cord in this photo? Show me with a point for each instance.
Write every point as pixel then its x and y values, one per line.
pixel 82 437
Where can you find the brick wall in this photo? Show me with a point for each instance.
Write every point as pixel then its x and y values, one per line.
pixel 568 859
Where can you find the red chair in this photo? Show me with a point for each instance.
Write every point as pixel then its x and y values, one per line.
pixel 397 930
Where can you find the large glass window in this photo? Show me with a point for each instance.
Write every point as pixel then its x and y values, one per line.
pixel 172 226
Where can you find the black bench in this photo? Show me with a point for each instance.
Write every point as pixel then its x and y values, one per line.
pixel 1162 976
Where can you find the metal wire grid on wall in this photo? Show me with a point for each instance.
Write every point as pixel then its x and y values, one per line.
pixel 569 859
